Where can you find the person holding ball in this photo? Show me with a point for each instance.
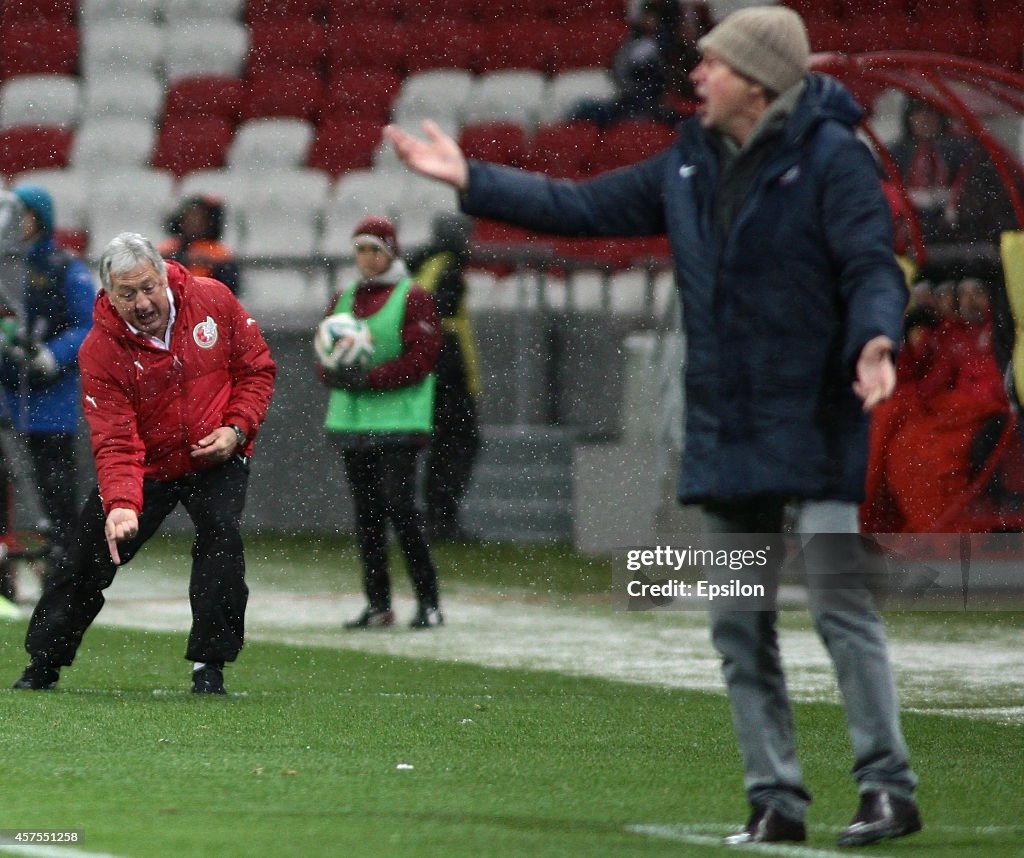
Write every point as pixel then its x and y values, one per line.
pixel 380 416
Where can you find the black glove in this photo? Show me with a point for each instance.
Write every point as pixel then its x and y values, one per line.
pixel 346 377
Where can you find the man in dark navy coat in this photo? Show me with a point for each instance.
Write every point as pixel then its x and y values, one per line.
pixel 793 304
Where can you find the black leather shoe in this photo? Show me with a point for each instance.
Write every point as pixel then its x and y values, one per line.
pixel 768 825
pixel 372 618
pixel 208 680
pixel 38 677
pixel 427 618
pixel 881 816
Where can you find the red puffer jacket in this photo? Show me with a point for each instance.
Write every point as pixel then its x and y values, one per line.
pixel 146 407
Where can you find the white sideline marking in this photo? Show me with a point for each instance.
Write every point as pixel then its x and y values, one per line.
pixel 688 834
pixel 950 677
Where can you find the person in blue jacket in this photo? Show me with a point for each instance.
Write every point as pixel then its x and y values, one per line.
pixel 39 366
pixel 792 307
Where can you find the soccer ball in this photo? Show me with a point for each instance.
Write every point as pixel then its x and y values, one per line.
pixel 343 340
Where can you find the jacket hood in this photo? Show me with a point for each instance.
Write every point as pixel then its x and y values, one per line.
pixel 179 279
pixel 825 98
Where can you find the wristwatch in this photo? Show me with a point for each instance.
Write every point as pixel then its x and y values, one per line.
pixel 239 435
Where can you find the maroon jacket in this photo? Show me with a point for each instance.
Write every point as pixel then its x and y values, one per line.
pixel 146 407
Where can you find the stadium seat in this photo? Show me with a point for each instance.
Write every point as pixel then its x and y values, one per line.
pixel 563 150
pixel 214 47
pixel 213 95
pixel 192 143
pixel 179 11
pixel 341 11
pixel 270 292
pixel 1003 46
pixel 271 143
pixel 101 13
pixel 24 149
pixel 366 94
pixel 15 11
pixel 280 92
pixel 352 44
pixel 343 145
pixel 631 141
pixel 114 143
pixel 70 190
pixel 45 99
pixel 583 14
pixel 133 200
pixel 569 88
pixel 419 203
pixel 357 194
pixel 274 11
pixel 437 95
pixel 505 11
pixel 506 96
pixel 430 11
pixel 117 46
pixel 526 44
pixel 595 51
pixel 282 212
pixel 286 44
pixel 496 142
pixel 134 94
pixel 444 44
pixel 38 47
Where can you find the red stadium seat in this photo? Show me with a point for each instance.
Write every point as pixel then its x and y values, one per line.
pixel 497 142
pixel 590 44
pixel 564 151
pixel 192 143
pixel 365 94
pixel 354 45
pixel 38 47
pixel 631 141
pixel 341 12
pixel 258 11
pixel 283 92
pixel 425 11
pixel 14 11
pixel 25 148
pixel 583 12
pixel 527 44
pixel 1002 46
pixel 514 11
pixel 286 45
pixel 342 145
pixel 442 45
pixel 205 96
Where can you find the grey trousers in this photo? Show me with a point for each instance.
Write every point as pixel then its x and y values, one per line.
pixel 845 618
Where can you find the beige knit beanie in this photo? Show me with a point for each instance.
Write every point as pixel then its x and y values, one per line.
pixel 765 43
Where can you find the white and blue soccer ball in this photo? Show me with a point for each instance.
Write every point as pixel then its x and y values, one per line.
pixel 343 340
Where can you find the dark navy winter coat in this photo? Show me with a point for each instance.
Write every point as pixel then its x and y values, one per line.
pixel 775 313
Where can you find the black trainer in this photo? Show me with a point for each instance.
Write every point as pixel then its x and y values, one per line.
pixel 372 618
pixel 208 679
pixel 427 618
pixel 38 677
pixel 768 825
pixel 880 816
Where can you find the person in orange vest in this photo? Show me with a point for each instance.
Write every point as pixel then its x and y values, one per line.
pixel 196 231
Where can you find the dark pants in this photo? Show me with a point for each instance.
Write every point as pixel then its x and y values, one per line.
pixel 217 591
pixel 383 481
pixel 453 449
pixel 53 461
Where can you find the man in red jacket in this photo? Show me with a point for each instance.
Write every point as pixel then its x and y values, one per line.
pixel 176 381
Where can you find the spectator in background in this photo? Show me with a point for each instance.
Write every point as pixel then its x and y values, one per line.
pixel 638 73
pixel 196 241
pixel 380 418
pixel 39 367
pixel 683 23
pixel 931 161
pixel 456 438
pixel 792 306
pixel 940 429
